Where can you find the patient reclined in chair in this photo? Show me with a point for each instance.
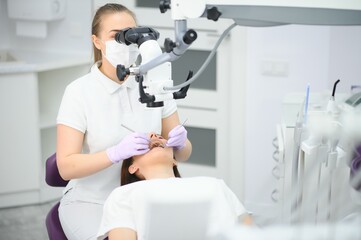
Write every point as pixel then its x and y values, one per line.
pixel 165 206
pixel 173 208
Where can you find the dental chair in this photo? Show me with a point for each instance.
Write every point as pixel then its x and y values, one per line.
pixel 53 178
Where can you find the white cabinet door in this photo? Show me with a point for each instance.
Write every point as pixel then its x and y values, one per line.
pixel 19 138
pixel 208 137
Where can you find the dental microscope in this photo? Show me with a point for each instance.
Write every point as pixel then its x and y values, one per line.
pixel 153 78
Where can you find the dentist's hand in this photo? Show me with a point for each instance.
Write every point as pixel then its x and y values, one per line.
pixel 131 145
pixel 177 137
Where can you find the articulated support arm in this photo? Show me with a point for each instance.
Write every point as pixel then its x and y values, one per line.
pixel 157 100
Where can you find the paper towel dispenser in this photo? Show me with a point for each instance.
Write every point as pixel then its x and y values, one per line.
pixel 32 16
pixel 36 10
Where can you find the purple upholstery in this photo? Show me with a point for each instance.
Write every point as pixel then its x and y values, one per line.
pixel 52 176
pixel 356 168
pixel 53 226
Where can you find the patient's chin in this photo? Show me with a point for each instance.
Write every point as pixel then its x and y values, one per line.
pixel 161 154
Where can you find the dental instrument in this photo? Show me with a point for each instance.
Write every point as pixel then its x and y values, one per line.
pixel 127 127
pixel 332 106
pixel 306 104
pixel 299 134
pixel 184 122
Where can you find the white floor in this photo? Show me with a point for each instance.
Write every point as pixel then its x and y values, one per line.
pixel 26 222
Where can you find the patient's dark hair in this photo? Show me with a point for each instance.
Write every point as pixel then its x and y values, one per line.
pixel 126 177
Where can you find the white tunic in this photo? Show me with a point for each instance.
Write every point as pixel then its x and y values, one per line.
pixel 97 106
pixel 126 206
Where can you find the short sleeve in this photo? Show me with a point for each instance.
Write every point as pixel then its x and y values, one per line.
pixel 236 206
pixel 117 213
pixel 72 108
pixel 169 108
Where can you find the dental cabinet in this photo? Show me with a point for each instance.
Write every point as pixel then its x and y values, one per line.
pixel 44 46
pixel 30 95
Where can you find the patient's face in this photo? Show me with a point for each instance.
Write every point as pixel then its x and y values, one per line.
pixel 158 153
pixel 156 141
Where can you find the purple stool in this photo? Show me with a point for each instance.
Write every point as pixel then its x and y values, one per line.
pixel 53 178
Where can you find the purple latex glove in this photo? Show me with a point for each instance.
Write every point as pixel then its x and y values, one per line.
pixel 177 137
pixel 132 145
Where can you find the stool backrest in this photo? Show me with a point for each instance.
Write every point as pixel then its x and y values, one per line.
pixel 52 176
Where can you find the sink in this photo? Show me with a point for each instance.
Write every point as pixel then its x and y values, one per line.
pixel 6 56
pixel 25 60
pixel 10 62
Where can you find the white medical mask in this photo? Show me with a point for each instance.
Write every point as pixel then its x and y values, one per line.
pixel 117 53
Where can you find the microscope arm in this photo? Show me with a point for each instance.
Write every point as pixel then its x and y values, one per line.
pixel 156 99
pixel 174 51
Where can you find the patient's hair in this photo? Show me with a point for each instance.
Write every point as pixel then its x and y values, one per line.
pixel 126 177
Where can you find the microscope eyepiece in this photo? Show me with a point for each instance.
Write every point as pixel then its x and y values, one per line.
pixel 120 36
pixel 136 35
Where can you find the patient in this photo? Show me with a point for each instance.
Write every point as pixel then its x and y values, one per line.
pixel 123 215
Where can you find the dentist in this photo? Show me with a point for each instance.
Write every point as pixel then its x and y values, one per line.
pixel 90 139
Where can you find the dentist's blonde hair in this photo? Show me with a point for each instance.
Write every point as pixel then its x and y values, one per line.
pixel 109 8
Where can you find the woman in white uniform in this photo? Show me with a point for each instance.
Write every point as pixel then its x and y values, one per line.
pixel 90 139
pixel 125 210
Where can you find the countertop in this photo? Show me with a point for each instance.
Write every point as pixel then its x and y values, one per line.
pixel 35 61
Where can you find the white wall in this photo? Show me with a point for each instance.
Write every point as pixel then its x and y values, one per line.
pixel 345 57
pixel 4 39
pixel 305 50
pixel 318 55
pixel 71 34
